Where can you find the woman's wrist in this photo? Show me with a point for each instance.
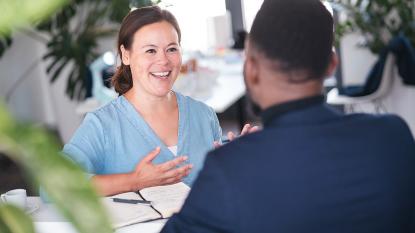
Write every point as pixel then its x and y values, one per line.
pixel 132 182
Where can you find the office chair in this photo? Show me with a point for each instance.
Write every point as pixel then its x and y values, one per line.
pixel 351 103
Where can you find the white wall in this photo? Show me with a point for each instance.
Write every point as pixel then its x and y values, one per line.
pixel 356 61
pixel 35 99
pixel 401 100
pixel 31 100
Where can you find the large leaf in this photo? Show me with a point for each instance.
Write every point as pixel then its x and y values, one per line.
pixel 64 182
pixel 14 220
pixel 19 13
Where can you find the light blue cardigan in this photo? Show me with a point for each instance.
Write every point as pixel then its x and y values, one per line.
pixel 114 138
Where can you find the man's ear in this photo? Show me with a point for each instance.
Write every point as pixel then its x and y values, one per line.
pixel 334 61
pixel 251 71
pixel 125 56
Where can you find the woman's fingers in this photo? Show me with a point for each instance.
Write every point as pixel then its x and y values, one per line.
pixel 178 172
pixel 216 144
pixel 245 129
pixel 172 163
pixel 231 136
pixel 176 179
pixel 152 155
pixel 253 129
pixel 172 180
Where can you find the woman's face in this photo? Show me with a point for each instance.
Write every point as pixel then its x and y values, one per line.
pixel 154 58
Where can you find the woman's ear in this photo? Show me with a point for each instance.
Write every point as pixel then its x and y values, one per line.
pixel 125 56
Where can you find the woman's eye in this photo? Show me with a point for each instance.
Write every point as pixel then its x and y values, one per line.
pixel 151 51
pixel 172 49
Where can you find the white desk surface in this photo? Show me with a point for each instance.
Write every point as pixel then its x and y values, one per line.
pixel 229 85
pixel 48 220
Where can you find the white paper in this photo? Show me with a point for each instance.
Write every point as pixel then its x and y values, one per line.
pixel 167 199
pixel 123 214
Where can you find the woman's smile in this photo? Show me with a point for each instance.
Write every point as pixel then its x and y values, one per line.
pixel 161 74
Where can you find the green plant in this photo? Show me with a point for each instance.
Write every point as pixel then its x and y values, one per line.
pixel 71 36
pixel 64 182
pixel 19 13
pixel 378 20
pixel 37 152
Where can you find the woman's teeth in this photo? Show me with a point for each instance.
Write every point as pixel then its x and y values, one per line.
pixel 161 74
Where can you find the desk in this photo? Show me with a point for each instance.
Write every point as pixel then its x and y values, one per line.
pixel 48 220
pixel 218 83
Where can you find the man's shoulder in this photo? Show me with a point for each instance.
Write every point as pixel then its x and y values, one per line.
pixel 379 121
pixel 347 129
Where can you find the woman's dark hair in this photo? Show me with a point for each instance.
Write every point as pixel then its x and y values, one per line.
pixel 122 80
pixel 296 34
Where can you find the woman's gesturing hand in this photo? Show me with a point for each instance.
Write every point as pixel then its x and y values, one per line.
pixel 247 129
pixel 147 174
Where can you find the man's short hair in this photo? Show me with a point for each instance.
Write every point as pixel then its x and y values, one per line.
pixel 296 34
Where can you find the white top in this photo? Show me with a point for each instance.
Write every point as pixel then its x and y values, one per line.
pixel 173 149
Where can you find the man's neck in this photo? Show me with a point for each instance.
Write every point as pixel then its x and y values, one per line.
pixel 277 87
pixel 283 96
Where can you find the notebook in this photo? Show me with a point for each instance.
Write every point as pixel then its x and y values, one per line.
pixel 166 200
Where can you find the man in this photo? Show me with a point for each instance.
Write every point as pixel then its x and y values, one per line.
pixel 311 169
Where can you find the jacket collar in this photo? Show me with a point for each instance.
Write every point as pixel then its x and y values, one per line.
pixel 296 111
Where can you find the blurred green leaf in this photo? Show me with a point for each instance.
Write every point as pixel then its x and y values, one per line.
pixel 14 220
pixel 64 182
pixel 18 13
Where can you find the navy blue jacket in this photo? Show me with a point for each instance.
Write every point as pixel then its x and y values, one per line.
pixel 311 170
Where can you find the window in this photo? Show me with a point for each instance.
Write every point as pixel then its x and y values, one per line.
pixel 249 9
pixel 192 16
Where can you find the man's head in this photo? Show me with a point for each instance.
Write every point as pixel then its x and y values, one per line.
pixel 289 51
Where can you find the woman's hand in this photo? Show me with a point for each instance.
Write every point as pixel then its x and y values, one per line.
pixel 147 174
pixel 245 130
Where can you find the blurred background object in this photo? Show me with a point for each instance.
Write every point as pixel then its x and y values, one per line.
pixel 99 91
pixel 378 21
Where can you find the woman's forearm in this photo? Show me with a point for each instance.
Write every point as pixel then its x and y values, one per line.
pixel 112 184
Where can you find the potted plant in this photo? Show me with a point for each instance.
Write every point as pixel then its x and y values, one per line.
pixel 377 20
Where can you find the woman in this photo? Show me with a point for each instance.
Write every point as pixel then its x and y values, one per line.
pixel 115 144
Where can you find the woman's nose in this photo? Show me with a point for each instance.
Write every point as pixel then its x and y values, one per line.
pixel 162 58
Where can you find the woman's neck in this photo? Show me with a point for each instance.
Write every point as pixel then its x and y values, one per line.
pixel 147 104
